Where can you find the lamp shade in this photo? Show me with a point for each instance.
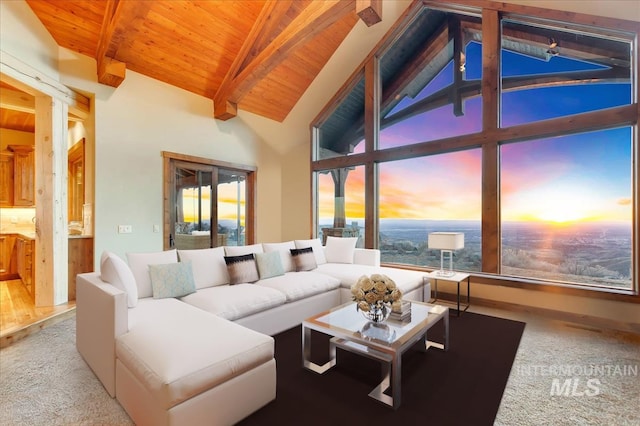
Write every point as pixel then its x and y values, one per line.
pixel 446 240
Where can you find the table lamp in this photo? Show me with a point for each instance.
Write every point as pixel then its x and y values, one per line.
pixel 446 242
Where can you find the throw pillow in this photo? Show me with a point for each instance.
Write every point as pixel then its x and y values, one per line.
pixel 285 254
pixel 304 259
pixel 172 280
pixel 340 250
pixel 139 264
pixel 269 264
pixel 318 250
pixel 116 272
pixel 242 269
pixel 208 266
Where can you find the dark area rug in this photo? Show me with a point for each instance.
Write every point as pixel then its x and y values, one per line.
pixel 462 386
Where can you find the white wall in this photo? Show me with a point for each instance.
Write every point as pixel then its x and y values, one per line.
pixel 134 123
pixel 24 37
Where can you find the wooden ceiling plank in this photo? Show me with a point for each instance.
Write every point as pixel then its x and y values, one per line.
pixel 17 100
pixel 225 109
pixel 311 21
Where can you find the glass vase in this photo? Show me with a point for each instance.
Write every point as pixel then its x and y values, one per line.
pixel 378 312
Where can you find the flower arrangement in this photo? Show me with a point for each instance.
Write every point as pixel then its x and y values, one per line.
pixel 375 290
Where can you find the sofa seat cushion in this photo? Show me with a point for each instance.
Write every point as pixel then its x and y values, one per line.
pixel 178 351
pixel 298 285
pixel 235 301
pixel 348 275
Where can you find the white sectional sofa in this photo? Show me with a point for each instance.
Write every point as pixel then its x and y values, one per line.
pixel 207 357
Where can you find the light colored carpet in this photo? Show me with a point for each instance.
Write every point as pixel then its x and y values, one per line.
pixel 564 374
pixel 44 381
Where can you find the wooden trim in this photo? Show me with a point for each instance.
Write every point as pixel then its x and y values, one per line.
pixel 596 120
pixel 550 14
pixel 209 161
pixel 544 286
pixel 491 47
pixel 29 80
pixel 585 321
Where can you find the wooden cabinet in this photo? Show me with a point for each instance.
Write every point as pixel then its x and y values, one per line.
pixel 6 179
pixel 17 176
pixel 80 260
pixel 23 175
pixel 24 262
pixel 7 267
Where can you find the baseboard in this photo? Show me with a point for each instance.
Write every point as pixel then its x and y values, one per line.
pixel 580 320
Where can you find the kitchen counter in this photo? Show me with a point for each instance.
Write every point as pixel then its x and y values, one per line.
pixel 32 235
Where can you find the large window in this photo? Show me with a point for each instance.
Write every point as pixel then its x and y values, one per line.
pixel 207 203
pixel 520 131
pixel 341 203
pixel 566 208
pixel 430 194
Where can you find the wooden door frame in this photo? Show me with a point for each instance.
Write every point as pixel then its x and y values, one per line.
pixel 169 182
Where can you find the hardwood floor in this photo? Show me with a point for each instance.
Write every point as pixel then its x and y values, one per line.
pixel 19 317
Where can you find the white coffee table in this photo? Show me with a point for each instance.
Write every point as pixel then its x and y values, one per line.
pixel 384 342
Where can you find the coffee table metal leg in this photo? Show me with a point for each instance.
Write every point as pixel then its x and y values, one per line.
pixel 306 354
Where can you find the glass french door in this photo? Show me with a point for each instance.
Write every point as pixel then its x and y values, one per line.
pixel 208 206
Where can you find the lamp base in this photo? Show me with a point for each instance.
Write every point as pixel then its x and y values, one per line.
pixel 445 273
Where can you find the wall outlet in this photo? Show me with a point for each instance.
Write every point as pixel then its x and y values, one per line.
pixel 125 229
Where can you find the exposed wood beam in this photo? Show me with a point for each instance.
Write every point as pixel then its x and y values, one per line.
pixel 314 19
pixel 118 17
pixel 369 11
pixel 110 72
pixel 272 11
pixel 435 45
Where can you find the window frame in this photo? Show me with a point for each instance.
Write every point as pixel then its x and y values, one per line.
pixel 171 159
pixel 492 135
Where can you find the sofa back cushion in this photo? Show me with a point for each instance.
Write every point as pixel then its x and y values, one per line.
pixel 139 264
pixel 285 253
pixel 316 245
pixel 116 272
pixel 242 250
pixel 209 268
pixel 340 249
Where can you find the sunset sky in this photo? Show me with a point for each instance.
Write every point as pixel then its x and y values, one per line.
pixel 584 177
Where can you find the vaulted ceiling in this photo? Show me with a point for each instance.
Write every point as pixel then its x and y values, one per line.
pixel 255 55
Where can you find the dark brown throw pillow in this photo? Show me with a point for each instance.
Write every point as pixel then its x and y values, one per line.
pixel 242 269
pixel 304 259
